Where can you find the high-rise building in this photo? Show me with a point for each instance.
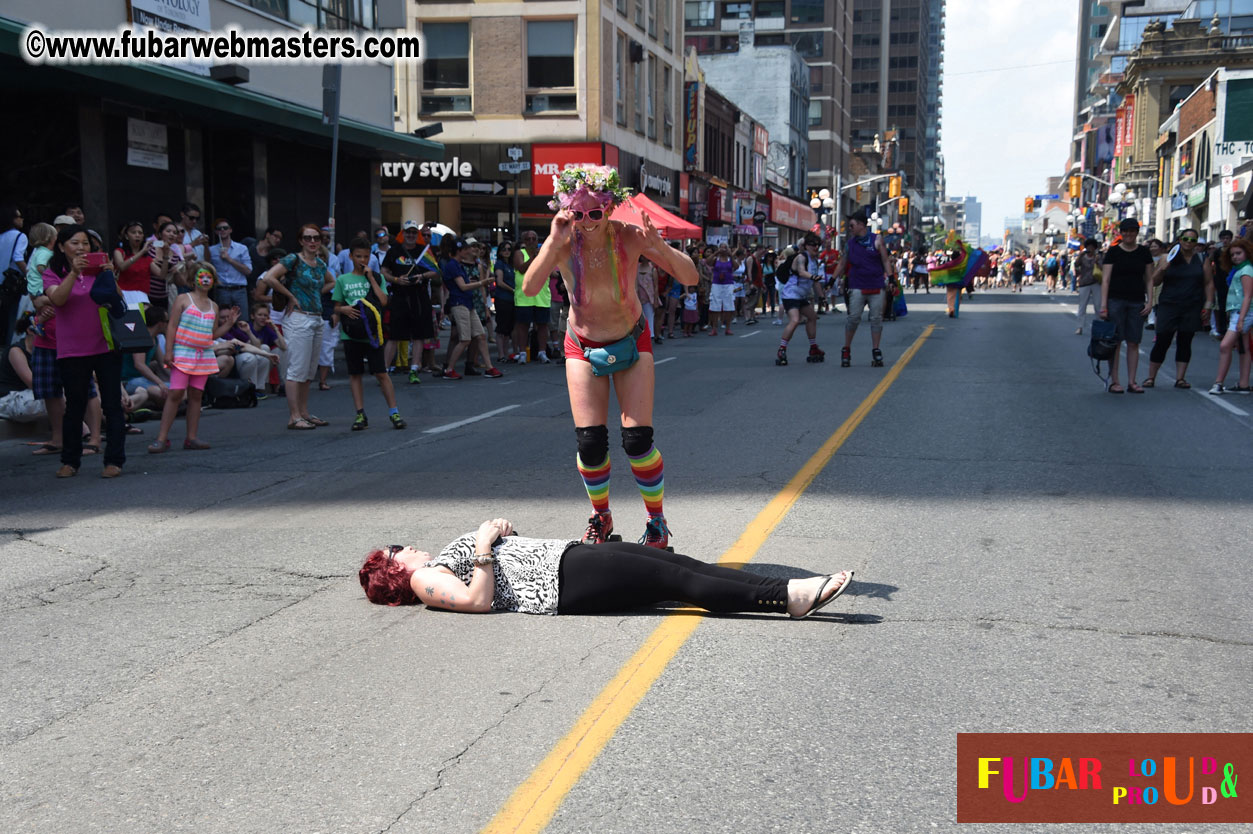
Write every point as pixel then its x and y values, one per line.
pixel 1094 18
pixel 819 30
pixel 897 48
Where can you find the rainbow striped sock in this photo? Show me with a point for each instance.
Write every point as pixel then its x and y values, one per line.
pixel 596 481
pixel 650 478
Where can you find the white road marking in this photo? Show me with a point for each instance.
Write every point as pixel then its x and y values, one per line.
pixel 657 362
pixel 1205 394
pixel 754 333
pixel 469 420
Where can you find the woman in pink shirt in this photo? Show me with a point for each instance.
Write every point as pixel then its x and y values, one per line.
pixel 81 352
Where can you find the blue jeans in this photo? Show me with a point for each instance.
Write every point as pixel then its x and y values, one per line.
pixel 228 297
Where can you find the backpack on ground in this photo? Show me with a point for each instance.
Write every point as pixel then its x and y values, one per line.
pixel 229 393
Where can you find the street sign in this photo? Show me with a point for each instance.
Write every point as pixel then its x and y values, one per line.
pixel 481 187
pixel 515 153
pixel 515 167
pixel 1048 196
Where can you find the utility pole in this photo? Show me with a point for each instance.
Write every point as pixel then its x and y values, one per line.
pixel 332 74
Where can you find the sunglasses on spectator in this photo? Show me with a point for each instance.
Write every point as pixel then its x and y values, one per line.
pixel 223 228
pixel 193 217
pixel 594 214
pixel 392 550
pixel 310 237
pixel 1188 239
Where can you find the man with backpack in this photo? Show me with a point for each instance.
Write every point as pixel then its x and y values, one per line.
pixel 868 265
pixel 796 275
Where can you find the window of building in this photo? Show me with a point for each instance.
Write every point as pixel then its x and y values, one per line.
pixel 637 94
pixel 737 10
pixel 808 44
pixel 866 40
pixel 1131 30
pixel 650 104
pixel 1118 64
pixel 327 14
pixel 713 43
pixel 903 37
pixel 652 18
pixel 815 113
pixel 910 62
pixel 769 39
pixel 667 107
pixel 1100 10
pixel 639 13
pixel 1098 31
pixel 698 13
pixel 619 78
pixel 667 22
pixel 808 11
pixel 622 6
pixel 550 66
pixel 816 85
pixel 770 8
pixel 446 70
pixel 866 63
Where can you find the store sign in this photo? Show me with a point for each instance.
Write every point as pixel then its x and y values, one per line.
pixel 1196 194
pixel 691 124
pixel 1231 153
pixel 1178 202
pixel 179 17
pixel 790 213
pixel 1129 126
pixel 649 182
pixel 432 174
pixel 761 140
pixel 147 145
pixel 547 161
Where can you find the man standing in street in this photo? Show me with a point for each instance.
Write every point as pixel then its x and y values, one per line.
pixel 867 263
pixel 409 280
pixel 469 328
pixel 527 309
pixel 1126 298
pixel 1089 283
pixel 233 265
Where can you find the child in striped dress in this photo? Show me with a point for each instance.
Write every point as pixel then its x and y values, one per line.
pixel 189 356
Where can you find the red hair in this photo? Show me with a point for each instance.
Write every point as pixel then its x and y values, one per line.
pixel 386 582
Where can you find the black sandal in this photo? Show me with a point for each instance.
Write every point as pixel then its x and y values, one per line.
pixel 1182 383
pixel 1149 383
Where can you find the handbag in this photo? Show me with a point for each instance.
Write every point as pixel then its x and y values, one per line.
pixel 127 333
pixel 615 356
pixel 1104 340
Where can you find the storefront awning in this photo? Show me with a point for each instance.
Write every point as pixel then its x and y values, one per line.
pixel 158 87
pixel 671 226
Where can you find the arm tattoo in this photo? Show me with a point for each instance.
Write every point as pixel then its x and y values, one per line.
pixel 430 590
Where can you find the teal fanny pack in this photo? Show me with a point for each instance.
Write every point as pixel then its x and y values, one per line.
pixel 615 356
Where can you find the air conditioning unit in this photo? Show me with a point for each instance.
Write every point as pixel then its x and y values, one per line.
pixel 636 52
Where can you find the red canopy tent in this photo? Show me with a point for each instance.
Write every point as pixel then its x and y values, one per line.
pixel 671 226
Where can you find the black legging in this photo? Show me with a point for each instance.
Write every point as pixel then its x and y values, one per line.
pixel 1161 344
pixel 616 576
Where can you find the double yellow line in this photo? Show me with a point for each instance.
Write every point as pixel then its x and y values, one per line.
pixel 537 799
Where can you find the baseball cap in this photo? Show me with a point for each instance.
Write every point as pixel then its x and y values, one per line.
pixel 63 220
pixel 409 224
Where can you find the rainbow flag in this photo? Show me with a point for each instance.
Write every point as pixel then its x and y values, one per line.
pixel 962 268
pixel 427 259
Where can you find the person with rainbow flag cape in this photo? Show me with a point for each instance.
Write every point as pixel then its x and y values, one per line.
pixel 958 271
pixel 607 338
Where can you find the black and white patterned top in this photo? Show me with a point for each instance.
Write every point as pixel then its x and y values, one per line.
pixel 526 570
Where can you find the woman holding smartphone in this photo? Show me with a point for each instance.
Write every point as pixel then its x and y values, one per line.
pixel 132 262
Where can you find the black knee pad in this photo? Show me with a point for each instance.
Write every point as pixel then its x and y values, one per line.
pixel 593 444
pixel 637 440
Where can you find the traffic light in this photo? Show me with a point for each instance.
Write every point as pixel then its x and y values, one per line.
pixel 902 206
pixel 894 187
pixel 1076 184
pixel 1028 205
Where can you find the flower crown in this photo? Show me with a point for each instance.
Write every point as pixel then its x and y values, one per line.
pixel 601 181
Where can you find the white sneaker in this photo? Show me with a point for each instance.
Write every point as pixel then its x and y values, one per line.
pixel 1218 389
pixel 521 358
pixel 777 322
pixel 543 357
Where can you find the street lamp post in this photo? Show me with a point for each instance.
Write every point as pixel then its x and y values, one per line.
pixel 824 203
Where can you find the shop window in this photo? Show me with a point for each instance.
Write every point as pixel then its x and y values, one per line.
pixel 550 66
pixel 446 70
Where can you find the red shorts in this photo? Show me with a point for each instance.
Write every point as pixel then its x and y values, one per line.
pixel 644 344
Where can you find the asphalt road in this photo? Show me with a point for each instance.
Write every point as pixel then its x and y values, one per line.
pixel 187 647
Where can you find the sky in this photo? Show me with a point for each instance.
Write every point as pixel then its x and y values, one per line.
pixel 1005 130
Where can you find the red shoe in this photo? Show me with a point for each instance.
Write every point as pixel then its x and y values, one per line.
pixel 599 528
pixel 449 374
pixel 494 373
pixel 656 533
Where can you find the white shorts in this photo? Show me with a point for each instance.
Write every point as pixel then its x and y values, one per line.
pixel 330 338
pixel 722 298
pixel 304 341
pixel 1233 320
